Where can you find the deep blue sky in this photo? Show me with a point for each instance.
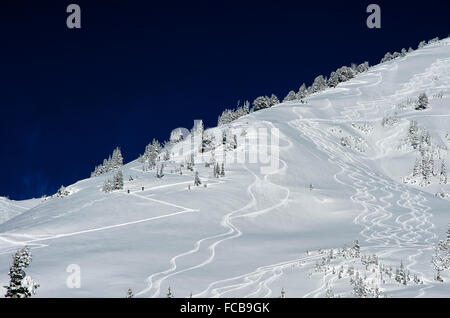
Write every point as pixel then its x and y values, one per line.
pixel 138 69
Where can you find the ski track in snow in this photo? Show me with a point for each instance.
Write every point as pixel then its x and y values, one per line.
pixel 409 231
pixel 155 280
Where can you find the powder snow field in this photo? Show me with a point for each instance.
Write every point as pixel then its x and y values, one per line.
pixel 247 234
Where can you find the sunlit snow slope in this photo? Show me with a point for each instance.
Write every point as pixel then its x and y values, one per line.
pixel 251 234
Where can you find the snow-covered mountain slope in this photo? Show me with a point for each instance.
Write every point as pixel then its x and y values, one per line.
pixel 337 176
pixel 10 208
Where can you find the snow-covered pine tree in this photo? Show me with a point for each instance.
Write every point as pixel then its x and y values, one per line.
pixel 273 100
pixel 166 155
pixel 198 128
pixel 443 174
pixel 396 55
pixel 417 171
pixel 329 293
pixel 261 102
pixel 117 159
pixel 246 108
pixel 130 293
pixel 427 169
pixel 107 186
pixel 422 44
pixel 319 84
pixel 302 91
pixel 21 285
pixel 190 162
pixel 224 137
pixel 207 143
pixel 217 170
pixel 345 73
pixel 333 81
pixel 117 182
pixel 363 67
pixel 156 146
pixel 387 57
pixel 441 257
pixel 197 180
pixel 422 102
pixel 291 96
pixel 169 293
pixel 357 249
pixel 114 162
pixel 222 171
pixel 160 172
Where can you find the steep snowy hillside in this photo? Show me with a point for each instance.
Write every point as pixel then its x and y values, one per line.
pixel 10 208
pixel 284 218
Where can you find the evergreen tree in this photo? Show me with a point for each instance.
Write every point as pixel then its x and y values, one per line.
pixel 302 92
pixel 207 142
pixel 216 170
pixel 117 160
pixel 222 171
pixel 20 285
pixel 319 84
pixel 291 96
pixel 169 293
pixel 387 57
pixel 422 102
pixel 333 81
pixel 273 100
pixel 422 44
pixel 114 162
pixel 261 102
pixel 117 182
pixel 441 257
pixel 417 172
pixel 130 293
pixel 363 67
pixel 197 180
pixel 443 174
pixel 357 249
pixel 160 172
pixel 107 186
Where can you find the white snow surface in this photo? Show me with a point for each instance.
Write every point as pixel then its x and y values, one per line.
pixel 247 234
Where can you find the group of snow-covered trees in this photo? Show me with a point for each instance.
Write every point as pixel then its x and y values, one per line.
pixel 441 257
pixel 390 56
pixel 21 285
pixel 151 153
pixel 113 162
pixel 424 169
pixel 321 82
pixel 263 102
pixel 115 184
pixel 229 115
